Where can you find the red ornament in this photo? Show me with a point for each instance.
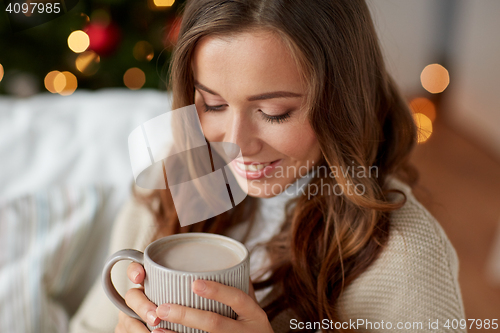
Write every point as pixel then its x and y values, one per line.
pixel 172 31
pixel 104 39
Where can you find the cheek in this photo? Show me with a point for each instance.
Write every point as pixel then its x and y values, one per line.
pixel 296 142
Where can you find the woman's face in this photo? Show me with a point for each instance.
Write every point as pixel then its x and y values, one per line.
pixel 248 91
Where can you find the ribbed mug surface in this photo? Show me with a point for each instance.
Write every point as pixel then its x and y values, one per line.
pixel 164 285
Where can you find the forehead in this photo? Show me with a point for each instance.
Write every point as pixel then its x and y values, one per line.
pixel 251 60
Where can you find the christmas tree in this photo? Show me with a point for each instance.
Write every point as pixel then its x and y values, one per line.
pixel 87 45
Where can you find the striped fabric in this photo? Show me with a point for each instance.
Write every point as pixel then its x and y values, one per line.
pixel 42 237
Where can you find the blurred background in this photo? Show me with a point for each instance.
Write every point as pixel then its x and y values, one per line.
pixel 73 88
pixel 96 44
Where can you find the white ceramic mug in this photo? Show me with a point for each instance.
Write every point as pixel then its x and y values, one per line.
pixel 168 285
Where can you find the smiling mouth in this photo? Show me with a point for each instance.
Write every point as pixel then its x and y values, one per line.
pixel 254 166
pixel 254 170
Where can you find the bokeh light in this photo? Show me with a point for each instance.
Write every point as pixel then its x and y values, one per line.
pixel 1 72
pixel 49 81
pixel 435 78
pixel 172 31
pixel 85 18
pixel 21 84
pixel 64 83
pixel 164 3
pixel 59 82
pixel 71 83
pixel 143 51
pixel 425 106
pixel 424 127
pixel 134 78
pixel 88 62
pixel 78 41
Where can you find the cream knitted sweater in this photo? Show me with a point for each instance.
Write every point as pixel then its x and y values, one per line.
pixel 413 284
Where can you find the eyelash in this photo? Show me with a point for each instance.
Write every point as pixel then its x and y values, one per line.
pixel 272 119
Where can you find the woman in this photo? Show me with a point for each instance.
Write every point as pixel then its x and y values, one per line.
pixel 298 84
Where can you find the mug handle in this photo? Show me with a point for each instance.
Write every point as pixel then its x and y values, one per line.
pixel 109 288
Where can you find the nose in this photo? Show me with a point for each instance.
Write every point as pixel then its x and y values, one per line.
pixel 240 130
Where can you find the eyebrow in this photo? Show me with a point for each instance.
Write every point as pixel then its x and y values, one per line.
pixel 259 97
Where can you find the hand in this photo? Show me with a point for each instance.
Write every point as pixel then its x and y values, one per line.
pixel 138 302
pixel 251 317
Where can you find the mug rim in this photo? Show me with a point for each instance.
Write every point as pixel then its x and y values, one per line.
pixel 191 234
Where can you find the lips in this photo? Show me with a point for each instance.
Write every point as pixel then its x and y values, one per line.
pixel 252 167
pixel 254 170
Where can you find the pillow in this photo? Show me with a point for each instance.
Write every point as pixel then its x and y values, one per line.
pixel 43 240
pixel 46 141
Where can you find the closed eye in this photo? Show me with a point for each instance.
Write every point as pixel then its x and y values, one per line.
pixel 209 108
pixel 272 119
pixel 275 119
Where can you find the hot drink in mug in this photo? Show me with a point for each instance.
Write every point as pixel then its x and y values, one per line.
pixel 174 262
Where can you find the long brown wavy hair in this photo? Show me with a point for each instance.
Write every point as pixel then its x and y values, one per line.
pixel 360 119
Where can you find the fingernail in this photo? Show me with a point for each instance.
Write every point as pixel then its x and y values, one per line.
pixel 151 315
pixel 199 285
pixel 136 275
pixel 163 310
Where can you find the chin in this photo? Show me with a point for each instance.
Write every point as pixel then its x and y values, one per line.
pixel 266 187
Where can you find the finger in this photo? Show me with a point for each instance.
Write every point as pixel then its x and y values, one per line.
pixel 138 302
pixel 237 299
pixel 162 330
pixel 200 319
pixel 130 325
pixel 136 273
